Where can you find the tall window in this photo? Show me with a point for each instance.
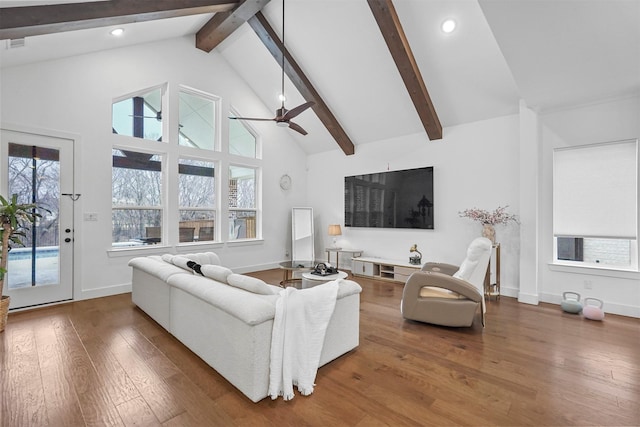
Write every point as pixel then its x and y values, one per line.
pixel 595 205
pixel 243 208
pixel 139 116
pixel 136 198
pixel 242 141
pixel 197 198
pixel 197 125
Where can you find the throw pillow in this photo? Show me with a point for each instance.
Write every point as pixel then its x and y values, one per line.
pixel 216 272
pixel 181 262
pixel 195 267
pixel 250 284
pixel 167 258
pixel 466 269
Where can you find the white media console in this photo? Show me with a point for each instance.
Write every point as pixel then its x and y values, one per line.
pixel 384 269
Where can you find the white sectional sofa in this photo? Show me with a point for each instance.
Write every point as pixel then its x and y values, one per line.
pixel 227 326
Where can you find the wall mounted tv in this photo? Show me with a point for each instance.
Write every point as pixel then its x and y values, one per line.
pixel 393 199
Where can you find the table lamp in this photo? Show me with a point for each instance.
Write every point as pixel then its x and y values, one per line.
pixel 334 230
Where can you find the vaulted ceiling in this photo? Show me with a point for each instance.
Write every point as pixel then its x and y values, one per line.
pixel 380 69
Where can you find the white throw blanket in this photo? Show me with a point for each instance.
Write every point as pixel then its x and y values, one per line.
pixel 299 327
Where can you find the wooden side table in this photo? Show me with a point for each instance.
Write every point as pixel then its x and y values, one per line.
pixel 492 288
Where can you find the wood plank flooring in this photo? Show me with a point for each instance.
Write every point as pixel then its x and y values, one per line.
pixel 104 362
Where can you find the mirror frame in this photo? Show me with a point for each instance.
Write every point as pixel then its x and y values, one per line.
pixel 301 230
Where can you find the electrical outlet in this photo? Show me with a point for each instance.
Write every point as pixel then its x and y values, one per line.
pixel 286 254
pixel 588 284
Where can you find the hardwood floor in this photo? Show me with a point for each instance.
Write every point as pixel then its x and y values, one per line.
pixel 104 362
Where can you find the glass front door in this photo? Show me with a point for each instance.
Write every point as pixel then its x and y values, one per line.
pixel 39 170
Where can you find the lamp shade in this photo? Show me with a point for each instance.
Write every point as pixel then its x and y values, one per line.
pixel 335 230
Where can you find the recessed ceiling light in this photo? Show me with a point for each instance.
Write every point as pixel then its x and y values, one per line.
pixel 117 32
pixel 449 25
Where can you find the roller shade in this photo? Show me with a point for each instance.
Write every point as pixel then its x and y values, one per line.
pixel 595 190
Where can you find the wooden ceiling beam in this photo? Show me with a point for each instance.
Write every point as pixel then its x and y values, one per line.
pixel 18 22
pixel 391 29
pixel 223 24
pixel 273 43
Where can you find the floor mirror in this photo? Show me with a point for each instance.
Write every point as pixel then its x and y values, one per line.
pixel 302 244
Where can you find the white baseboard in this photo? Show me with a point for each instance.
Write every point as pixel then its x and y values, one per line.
pixel 528 298
pixel 620 309
pixel 105 292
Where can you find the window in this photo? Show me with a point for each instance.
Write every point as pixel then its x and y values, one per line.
pixel 242 202
pixel 177 182
pixel 139 116
pixel 136 198
pixel 197 199
pixel 197 126
pixel 595 205
pixel 242 141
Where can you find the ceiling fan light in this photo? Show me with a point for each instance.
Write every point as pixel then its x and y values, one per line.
pixel 448 25
pixel 282 124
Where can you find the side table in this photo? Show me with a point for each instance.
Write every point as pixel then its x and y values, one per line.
pixel 290 267
pixel 354 254
pixel 492 287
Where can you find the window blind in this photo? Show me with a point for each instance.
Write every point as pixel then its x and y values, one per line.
pixel 595 190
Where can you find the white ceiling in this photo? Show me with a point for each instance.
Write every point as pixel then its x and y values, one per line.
pixel 552 54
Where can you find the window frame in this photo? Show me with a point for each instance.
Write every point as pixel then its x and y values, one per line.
pixel 634 255
pixel 251 129
pixel 217 104
pixel 217 206
pixel 164 107
pixel 161 207
pixel 258 199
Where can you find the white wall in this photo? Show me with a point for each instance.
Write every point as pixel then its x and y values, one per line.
pixel 607 121
pixel 475 165
pixel 74 96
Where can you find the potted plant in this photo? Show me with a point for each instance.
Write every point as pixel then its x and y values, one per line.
pixel 14 218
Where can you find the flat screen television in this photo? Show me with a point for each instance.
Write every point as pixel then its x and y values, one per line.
pixel 393 199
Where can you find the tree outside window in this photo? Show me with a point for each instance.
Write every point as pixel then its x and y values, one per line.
pixel 242 202
pixel 136 198
pixel 197 199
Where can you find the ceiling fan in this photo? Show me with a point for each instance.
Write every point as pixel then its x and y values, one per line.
pixel 283 116
pixel 158 116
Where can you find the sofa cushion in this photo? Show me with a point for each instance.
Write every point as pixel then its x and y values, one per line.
pixel 159 269
pixel 216 272
pixel 204 258
pixel 250 284
pixel 251 308
pixel 182 262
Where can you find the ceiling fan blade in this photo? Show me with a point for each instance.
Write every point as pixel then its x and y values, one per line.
pixel 158 116
pixel 297 128
pixel 297 110
pixel 252 118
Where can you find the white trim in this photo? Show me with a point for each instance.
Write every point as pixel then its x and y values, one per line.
pixel 618 309
pixel 617 273
pixel 528 298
